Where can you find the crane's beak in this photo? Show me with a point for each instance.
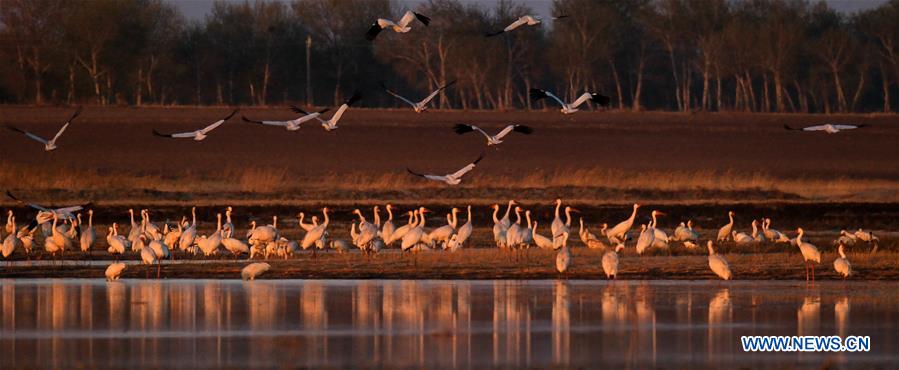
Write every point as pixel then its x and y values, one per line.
pixel 575 210
pixel 661 213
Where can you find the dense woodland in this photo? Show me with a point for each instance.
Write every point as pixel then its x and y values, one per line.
pixel 686 55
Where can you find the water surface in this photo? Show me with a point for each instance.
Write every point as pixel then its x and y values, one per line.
pixel 445 324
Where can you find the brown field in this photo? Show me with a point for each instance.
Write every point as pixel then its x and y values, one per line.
pixel 109 155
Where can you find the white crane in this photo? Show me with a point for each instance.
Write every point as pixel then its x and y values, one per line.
pixel 537 94
pixel 828 128
pixel 495 139
pixel 445 232
pixel 741 238
pixel 499 229
pixel 254 270
pixel 416 234
pixel 12 241
pixel 453 178
pixel 772 234
pixel 529 20
pixel 725 230
pixel 399 27
pixel 589 239
pixel 293 124
pixel 682 233
pixel 402 230
pixel 618 233
pixel 235 246
pixel 49 145
pixel 718 264
pixel 88 235
pixel 462 234
pixel 756 235
pixel 198 135
pixel 505 220
pixel 513 233
pixel 46 214
pixel 265 234
pixel 331 124
pixel 211 244
pixel 809 254
pixel 610 262
pixel 540 241
pixel 316 233
pixel 148 227
pixel 866 236
pixel 422 105
pixel 841 264
pixel 115 241
pixel 367 230
pixel 660 238
pixel 645 240
pixel 189 235
pixel 228 226
pixel 388 227
pixel 10 223
pixel 114 271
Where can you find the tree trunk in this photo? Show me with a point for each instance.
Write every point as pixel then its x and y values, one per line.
pixel 706 93
pixel 635 103
pixel 838 86
pixel 266 75
pixel 677 94
pixel 617 85
pixel 138 89
pixel 779 92
pixel 858 89
pixel 70 96
pixel 885 81
pixel 718 97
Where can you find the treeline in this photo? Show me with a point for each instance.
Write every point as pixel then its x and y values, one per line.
pixel 746 55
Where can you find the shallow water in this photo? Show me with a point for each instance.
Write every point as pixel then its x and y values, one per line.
pixel 459 324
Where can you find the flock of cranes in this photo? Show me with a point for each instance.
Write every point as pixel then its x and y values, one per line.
pixel 63 228
pixel 514 230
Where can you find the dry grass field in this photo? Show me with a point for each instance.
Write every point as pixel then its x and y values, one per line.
pixel 109 155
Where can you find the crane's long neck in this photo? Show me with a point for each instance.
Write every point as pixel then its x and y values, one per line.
pixel 469 215
pixel 90 219
pixel 711 250
pixel 218 226
pixel 455 218
pixel 527 215
pixel 842 254
pixel 508 209
pixel 633 215
pixel 422 219
pixel 731 216
pixel 755 229
pixel 799 237
pixel 193 212
pixel 327 220
pixel 389 213
pixel 654 221
pixel 517 217
pixel 377 217
pixel 558 206
pixel 495 212
pixel 581 230
pixel 568 217
pixel 228 216
pixel 131 211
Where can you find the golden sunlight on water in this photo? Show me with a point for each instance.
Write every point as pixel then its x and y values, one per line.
pixel 446 324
